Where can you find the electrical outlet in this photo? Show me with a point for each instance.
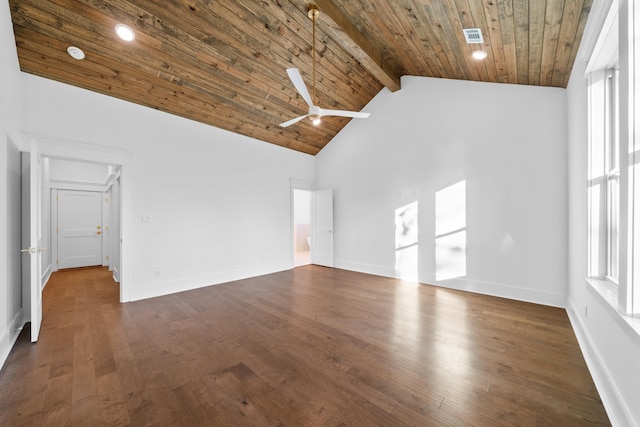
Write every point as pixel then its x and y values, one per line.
pixel 586 312
pixel 157 274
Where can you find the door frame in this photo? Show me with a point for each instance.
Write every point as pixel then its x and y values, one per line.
pixel 87 152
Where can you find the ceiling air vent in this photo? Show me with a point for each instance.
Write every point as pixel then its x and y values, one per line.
pixel 473 35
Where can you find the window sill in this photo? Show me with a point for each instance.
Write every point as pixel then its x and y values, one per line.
pixel 608 293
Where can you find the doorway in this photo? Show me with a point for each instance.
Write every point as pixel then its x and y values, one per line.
pixel 55 180
pixel 301 227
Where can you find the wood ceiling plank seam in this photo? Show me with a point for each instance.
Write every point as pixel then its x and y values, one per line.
pixel 223 106
pixel 456 40
pixel 466 20
pixel 476 9
pixel 507 30
pixel 365 16
pixel 579 33
pixel 327 70
pixel 359 45
pixel 414 47
pixel 347 65
pixel 429 27
pixel 521 25
pixel 492 16
pixel 553 22
pixel 537 11
pixel 571 15
pixel 421 47
pixel 427 36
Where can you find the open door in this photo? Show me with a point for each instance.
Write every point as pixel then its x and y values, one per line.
pixel 322 227
pixel 35 240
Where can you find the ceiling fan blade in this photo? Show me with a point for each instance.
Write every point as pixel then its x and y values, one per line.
pixel 344 113
pixel 296 79
pixel 292 121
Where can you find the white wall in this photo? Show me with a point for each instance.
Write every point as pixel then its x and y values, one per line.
pixel 10 290
pixel 205 205
pixel 610 346
pixel 507 142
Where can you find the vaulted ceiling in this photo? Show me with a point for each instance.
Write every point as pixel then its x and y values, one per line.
pixel 224 63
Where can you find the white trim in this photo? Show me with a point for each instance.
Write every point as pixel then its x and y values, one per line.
pixel 170 287
pixel 619 414
pixel 608 293
pixel 375 270
pixel 10 335
pixel 75 185
pixel 535 296
pixel 601 52
pixel 61 148
pixel 595 22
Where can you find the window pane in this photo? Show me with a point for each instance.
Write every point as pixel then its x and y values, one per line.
pixel 613 191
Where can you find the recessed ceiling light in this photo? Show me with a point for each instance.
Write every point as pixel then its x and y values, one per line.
pixel 125 32
pixel 75 52
pixel 479 54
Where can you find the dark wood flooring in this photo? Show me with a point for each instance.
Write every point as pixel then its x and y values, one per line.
pixel 307 347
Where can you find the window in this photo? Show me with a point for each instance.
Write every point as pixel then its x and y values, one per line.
pixel 614 161
pixel 604 176
pixel 612 173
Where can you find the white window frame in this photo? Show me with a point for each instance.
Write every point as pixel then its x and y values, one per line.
pixel 616 45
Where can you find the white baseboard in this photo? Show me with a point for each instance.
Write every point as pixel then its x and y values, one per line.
pixel 535 296
pixel 486 288
pixel 376 270
pixel 8 337
pixel 618 413
pixel 171 287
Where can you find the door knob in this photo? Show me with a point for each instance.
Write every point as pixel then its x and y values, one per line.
pixel 97 232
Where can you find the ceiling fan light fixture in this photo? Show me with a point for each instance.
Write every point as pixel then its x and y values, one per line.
pixel 479 54
pixel 125 32
pixel 315 120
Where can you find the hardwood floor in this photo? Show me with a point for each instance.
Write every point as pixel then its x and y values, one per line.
pixel 307 347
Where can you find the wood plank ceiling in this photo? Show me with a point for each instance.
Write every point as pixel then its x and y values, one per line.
pixel 223 62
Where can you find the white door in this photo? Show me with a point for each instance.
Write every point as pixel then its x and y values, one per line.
pixel 79 228
pixel 322 227
pixel 35 240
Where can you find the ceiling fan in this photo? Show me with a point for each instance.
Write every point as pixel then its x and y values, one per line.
pixel 315 112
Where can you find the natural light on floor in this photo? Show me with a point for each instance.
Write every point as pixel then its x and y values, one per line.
pixel 451 232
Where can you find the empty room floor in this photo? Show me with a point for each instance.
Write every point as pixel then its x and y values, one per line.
pixel 311 346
